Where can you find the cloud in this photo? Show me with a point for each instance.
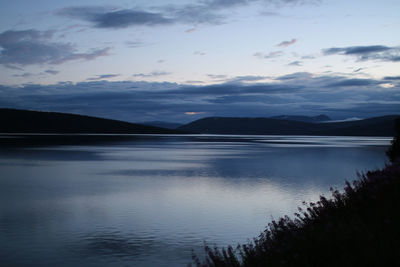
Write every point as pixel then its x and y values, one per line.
pixel 247 78
pixel 217 76
pixel 134 44
pixel 295 63
pixel 193 82
pixel 151 74
pixel 235 3
pixel 353 82
pixel 392 78
pixel 23 75
pixel 194 113
pixel 387 85
pixel 35 47
pixel 308 57
pixel 12 67
pixel 198 12
pixel 296 76
pixel 52 72
pixel 199 53
pixel 357 50
pixel 296 93
pixel 273 54
pixel 363 53
pixel 190 30
pixel 102 17
pixel 287 43
pixel 103 76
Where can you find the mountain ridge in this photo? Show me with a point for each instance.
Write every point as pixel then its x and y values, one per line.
pixel 377 126
pixel 29 121
pixel 314 119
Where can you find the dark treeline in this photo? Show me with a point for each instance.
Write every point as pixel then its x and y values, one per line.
pixel 359 226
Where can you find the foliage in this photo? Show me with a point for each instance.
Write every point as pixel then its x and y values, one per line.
pixel 394 150
pixel 357 227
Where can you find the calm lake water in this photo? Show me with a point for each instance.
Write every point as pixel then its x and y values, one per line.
pixel 150 200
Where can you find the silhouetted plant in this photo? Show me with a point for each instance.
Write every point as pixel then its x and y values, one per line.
pixel 394 150
pixel 357 227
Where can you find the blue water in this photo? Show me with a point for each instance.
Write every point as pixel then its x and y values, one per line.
pixel 151 200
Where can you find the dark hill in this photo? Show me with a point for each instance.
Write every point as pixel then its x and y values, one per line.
pixel 25 121
pixel 162 124
pixel 379 126
pixel 221 125
pixel 314 119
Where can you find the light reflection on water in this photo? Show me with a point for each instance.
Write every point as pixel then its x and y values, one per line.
pixel 149 202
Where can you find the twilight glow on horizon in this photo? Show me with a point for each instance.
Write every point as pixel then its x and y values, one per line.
pixel 181 60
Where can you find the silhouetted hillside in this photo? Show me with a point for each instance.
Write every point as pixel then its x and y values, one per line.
pixel 220 125
pixel 379 126
pixel 24 121
pixel 163 124
pixel 314 119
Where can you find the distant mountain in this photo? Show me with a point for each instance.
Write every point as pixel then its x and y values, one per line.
pixel 163 124
pixel 314 119
pixel 26 121
pixel 379 126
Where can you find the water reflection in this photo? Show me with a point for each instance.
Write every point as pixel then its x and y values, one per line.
pixel 149 201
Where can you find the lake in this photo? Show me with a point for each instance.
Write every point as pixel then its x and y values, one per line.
pixel 149 200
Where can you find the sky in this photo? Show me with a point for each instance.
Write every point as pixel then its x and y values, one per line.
pixel 181 60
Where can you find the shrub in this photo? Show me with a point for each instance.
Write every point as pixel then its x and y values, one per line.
pixel 357 227
pixel 394 150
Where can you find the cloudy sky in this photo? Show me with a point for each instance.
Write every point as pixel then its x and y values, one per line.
pixel 180 60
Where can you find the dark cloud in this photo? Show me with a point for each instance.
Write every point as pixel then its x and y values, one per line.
pixel 12 67
pixel 357 50
pixel 52 72
pixel 392 78
pixel 233 3
pixel 201 11
pixel 102 17
pixel 227 3
pixel 35 47
pixel 297 93
pixel 353 82
pixel 363 53
pixel 23 75
pixel 235 89
pixel 287 43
